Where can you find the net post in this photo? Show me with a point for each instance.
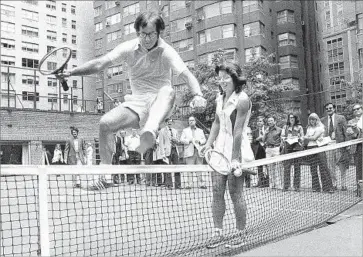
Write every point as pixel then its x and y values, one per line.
pixel 43 211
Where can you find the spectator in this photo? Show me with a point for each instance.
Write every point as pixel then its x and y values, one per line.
pixel 272 140
pixel 250 139
pixel 314 133
pixel 116 103
pixel 58 155
pixel 132 142
pixel 354 131
pixel 258 149
pixel 335 127
pixel 74 154
pixel 116 157
pixel 99 106
pixel 158 160
pixel 123 159
pixel 292 135
pixel 168 140
pixel 192 138
pixel 89 153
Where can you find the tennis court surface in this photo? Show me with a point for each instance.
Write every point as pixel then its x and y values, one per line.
pixel 140 220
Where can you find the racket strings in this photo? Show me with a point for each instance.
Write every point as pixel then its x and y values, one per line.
pixel 218 162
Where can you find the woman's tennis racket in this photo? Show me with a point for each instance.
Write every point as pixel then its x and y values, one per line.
pixel 54 62
pixel 219 163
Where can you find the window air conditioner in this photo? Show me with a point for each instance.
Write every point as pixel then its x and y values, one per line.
pixel 188 25
pixel 117 2
pixel 108 24
pixel 119 90
pixel 188 3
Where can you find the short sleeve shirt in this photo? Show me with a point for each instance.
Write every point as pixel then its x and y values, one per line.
pixel 148 70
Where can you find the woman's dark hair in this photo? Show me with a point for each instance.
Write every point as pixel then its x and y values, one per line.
pixel 235 71
pixel 149 17
pixel 297 121
pixel 74 129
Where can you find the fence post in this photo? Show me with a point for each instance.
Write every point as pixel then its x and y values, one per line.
pixel 43 211
pixel 60 97
pixel 35 89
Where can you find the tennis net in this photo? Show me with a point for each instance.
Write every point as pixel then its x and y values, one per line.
pixel 42 213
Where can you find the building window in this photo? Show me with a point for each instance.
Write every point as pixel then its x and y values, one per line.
pixel 29 79
pixel 7 43
pixel 110 4
pixel 131 9
pixel 290 81
pixel 8 60
pixel 254 29
pixel 360 23
pixel 7 76
pixel 114 19
pixel 73 9
pixel 51 5
pixel 254 52
pixel 29 96
pixel 7 27
pixel 328 19
pixel 287 39
pixel 52 82
pixel 360 57
pixel 8 11
pixel 51 20
pixel 98 11
pixel 64 7
pixel 336 81
pixel 165 11
pixel 252 5
pixel 74 83
pixel 114 88
pixel 114 35
pixel 51 35
pixel 30 15
pixel 52 98
pixel 216 9
pixel 114 71
pixel 98 43
pixel 74 54
pixel 29 31
pixel 335 49
pixel 216 33
pixel 73 24
pixel 33 2
pixel 176 5
pixel 288 62
pixel 179 25
pixel 98 26
pixel 75 99
pixel 51 65
pixel 285 16
pixel 64 37
pixel 74 39
pixel 65 98
pixel 64 22
pixel 29 63
pixel 129 28
pixel 336 68
pixel 230 54
pixel 30 47
pixel 184 45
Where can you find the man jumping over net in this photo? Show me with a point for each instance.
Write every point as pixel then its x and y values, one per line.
pixel 150 61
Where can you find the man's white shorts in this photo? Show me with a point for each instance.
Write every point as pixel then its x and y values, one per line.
pixel 141 104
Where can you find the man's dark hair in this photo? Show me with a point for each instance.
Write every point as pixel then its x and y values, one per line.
pixel 329 104
pixel 145 18
pixel 235 71
pixel 168 119
pixel 297 121
pixel 74 129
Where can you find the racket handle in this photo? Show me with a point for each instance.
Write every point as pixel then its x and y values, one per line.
pixel 64 85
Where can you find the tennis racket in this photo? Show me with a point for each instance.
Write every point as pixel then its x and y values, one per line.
pixel 219 163
pixel 54 62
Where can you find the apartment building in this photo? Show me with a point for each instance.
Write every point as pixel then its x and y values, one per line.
pixel 30 29
pixel 341 43
pixel 197 29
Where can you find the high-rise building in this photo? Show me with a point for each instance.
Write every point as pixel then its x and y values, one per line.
pixel 197 29
pixel 30 29
pixel 341 43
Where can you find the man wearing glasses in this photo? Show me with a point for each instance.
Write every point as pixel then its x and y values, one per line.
pixel 150 61
pixel 335 127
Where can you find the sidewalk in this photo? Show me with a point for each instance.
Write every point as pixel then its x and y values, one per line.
pixel 342 238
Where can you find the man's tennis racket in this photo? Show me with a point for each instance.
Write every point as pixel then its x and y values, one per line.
pixel 219 163
pixel 54 62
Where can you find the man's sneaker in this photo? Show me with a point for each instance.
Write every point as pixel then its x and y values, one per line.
pixel 215 241
pixel 237 241
pixel 147 141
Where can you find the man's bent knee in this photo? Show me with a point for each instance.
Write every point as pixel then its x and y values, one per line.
pixel 105 124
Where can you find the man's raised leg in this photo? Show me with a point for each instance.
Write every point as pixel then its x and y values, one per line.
pixel 160 108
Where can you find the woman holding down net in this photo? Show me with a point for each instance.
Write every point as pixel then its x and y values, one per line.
pixel 228 134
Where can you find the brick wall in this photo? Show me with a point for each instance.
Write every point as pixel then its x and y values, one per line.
pixel 31 125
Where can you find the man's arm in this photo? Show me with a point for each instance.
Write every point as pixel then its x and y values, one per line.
pixel 183 138
pixel 213 132
pixel 66 151
pixel 192 81
pixel 202 137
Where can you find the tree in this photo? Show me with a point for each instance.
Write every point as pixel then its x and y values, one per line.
pixel 263 88
pixel 354 97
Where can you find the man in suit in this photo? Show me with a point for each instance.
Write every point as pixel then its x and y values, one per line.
pixel 132 142
pixel 192 138
pixel 258 149
pixel 168 141
pixel 74 154
pixel 335 127
pixel 117 178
